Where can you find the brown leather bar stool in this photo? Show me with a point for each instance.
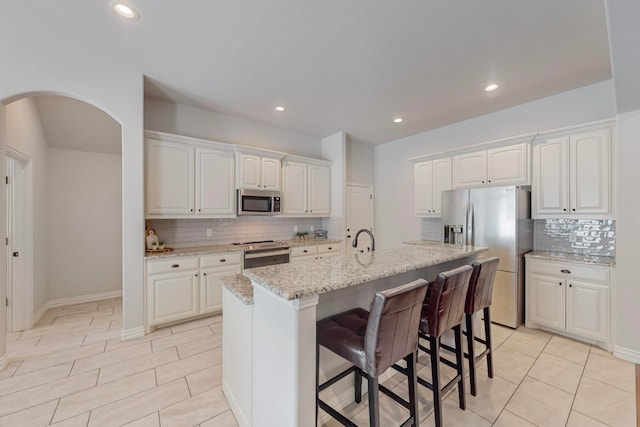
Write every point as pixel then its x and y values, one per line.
pixel 479 298
pixel 443 309
pixel 373 341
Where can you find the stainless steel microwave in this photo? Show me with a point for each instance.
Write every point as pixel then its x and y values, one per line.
pixel 258 202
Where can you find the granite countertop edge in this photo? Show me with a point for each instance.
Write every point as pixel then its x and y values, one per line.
pixel 239 286
pixel 573 258
pixel 292 294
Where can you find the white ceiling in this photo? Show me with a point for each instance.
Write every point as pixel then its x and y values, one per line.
pixel 335 64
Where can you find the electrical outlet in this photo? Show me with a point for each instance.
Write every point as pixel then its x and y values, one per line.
pixel 295 228
pixel 209 232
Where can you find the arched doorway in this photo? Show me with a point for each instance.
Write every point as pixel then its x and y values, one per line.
pixel 72 248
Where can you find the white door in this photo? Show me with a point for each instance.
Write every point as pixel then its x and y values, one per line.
pixel 590 155
pixel 271 174
pixel 211 288
pixel 170 178
pixel 470 170
pixel 249 171
pixel 319 192
pixel 17 292
pixel 172 296
pixel 546 303
pixel 507 165
pixel 294 188
pixel 551 178
pixel 588 310
pixel 423 188
pixel 441 182
pixel 359 215
pixel 215 184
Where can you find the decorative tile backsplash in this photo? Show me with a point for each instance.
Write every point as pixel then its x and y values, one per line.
pixel 432 229
pixel 178 233
pixel 578 236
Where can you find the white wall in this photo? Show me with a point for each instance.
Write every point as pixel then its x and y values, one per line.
pixel 395 220
pixel 117 91
pixel 85 223
pixel 626 315
pixel 359 163
pixel 24 133
pixel 166 116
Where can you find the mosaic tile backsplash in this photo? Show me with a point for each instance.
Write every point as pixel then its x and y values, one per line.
pixel 577 236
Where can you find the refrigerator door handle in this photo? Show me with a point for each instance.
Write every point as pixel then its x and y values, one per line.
pixel 470 232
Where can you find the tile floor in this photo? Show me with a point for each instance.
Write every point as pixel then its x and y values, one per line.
pixel 73 370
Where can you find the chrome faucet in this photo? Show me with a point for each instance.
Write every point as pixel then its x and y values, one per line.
pixel 373 240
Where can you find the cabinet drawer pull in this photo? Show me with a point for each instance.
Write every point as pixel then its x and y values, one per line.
pixel 223 260
pixel 330 248
pixel 304 251
pixel 175 266
pixel 565 271
pixel 204 274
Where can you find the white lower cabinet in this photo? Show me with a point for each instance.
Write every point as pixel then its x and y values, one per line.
pixel 569 298
pixel 180 288
pixel 305 253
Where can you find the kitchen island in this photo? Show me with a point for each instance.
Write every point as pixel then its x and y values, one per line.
pixel 288 299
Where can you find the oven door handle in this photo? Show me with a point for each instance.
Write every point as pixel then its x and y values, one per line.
pixel 265 254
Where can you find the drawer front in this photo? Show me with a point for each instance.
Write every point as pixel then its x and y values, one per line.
pixel 304 251
pixel 172 264
pixel 329 248
pixel 220 260
pixel 570 271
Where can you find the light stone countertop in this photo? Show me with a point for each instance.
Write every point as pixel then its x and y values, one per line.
pixel 219 249
pixel 604 261
pixel 314 277
pixel 240 286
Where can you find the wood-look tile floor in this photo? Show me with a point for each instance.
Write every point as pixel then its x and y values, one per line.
pixel 73 370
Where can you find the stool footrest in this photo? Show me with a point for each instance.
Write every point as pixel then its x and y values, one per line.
pixel 337 378
pixel 395 397
pixel 335 414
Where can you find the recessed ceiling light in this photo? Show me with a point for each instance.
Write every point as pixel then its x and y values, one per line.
pixel 280 108
pixel 125 11
pixel 398 120
pixel 491 87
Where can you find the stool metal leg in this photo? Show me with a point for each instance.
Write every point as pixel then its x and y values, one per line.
pixel 460 365
pixel 357 385
pixel 413 388
pixel 434 353
pixel 487 334
pixel 374 402
pixel 472 353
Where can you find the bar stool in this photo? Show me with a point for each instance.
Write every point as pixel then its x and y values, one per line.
pixel 479 298
pixel 373 341
pixel 442 310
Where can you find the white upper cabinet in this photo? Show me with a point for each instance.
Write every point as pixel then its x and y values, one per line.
pixel 470 170
pixel 430 180
pixel 498 166
pixel 258 169
pixel 572 176
pixel 306 185
pixel 508 165
pixel 186 177
pixel 170 178
pixel 215 182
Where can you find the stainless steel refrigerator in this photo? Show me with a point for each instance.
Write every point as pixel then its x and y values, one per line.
pixel 500 219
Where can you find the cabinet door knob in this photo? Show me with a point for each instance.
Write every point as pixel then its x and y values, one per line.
pixel 564 209
pixel 199 210
pixel 196 274
pixel 489 181
pixel 483 182
pixel 570 285
pixel 574 209
pixel 204 274
pixel 191 210
pixel 565 271
pixel 560 283
pixel 175 266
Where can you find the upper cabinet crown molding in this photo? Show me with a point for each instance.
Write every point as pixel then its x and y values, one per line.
pixel 262 152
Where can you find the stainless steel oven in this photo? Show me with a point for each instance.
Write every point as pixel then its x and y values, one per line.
pixel 258 202
pixel 263 253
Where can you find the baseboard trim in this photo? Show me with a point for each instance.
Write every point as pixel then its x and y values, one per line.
pixel 61 302
pixel 626 354
pixel 234 405
pixel 129 334
pixel 4 362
